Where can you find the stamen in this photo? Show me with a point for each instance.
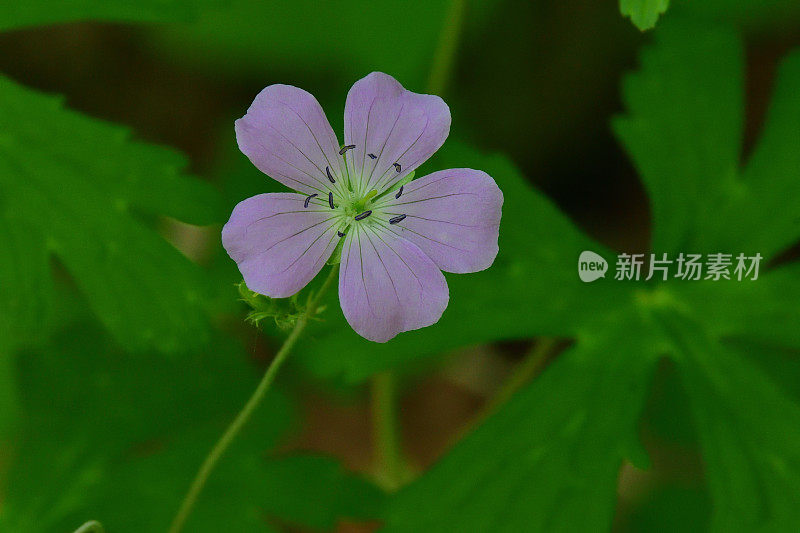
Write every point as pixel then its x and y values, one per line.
pixel 308 199
pixel 346 148
pixel 340 234
pixel 328 172
pixel 330 200
pixel 363 215
pixel 399 192
pixel 395 220
pixel 372 156
pixel 397 166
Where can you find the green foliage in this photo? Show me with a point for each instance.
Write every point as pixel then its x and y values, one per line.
pixel 643 13
pixel 549 459
pixel 76 188
pixel 117 437
pixel 37 12
pixel 110 429
pixel 335 41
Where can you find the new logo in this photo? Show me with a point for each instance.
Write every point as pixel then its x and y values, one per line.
pixel 591 266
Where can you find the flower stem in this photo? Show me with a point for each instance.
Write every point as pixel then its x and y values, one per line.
pixel 92 526
pixel 526 370
pixel 445 54
pixel 249 408
pixel 392 471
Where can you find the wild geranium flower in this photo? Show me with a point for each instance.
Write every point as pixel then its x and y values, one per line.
pixel 396 235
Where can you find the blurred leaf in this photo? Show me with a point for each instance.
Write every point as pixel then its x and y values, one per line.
pixel 118 437
pixel 539 249
pixel 643 13
pixel 683 130
pixel 343 40
pixel 760 15
pixel 749 431
pixel 74 187
pixel 763 311
pixel 673 508
pixel 40 12
pixel 549 460
pixel 758 216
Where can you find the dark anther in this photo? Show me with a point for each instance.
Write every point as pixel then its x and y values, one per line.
pixel 308 199
pixel 340 234
pixel 363 215
pixel 330 200
pixel 372 156
pixel 395 220
pixel 399 192
pixel 397 166
pixel 328 172
pixel 346 148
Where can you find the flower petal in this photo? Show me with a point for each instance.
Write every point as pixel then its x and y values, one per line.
pixel 388 285
pixel 278 244
pixel 395 126
pixel 452 215
pixel 286 135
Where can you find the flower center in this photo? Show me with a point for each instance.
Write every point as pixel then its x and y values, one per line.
pixel 352 205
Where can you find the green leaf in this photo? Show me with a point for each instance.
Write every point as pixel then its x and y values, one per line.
pixel 749 431
pixel 757 15
pixel 539 249
pixel 759 218
pixel 549 459
pixel 76 189
pixel 118 437
pixel 339 41
pixel 643 13
pixel 683 130
pixel 39 12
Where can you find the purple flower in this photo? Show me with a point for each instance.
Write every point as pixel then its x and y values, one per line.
pixel 397 236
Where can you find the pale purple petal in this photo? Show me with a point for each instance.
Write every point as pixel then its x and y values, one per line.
pixel 278 244
pixel 395 125
pixel 286 135
pixel 452 215
pixel 388 285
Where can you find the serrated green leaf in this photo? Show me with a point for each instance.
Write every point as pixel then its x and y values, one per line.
pixel 539 249
pixel 759 217
pixel 39 12
pixel 683 130
pixel 549 459
pixel 643 13
pixel 73 188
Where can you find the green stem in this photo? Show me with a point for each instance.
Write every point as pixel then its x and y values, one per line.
pixel 92 526
pixel 445 54
pixel 529 368
pixel 244 415
pixel 391 468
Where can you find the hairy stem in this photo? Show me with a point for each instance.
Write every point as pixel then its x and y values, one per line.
pixel 252 404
